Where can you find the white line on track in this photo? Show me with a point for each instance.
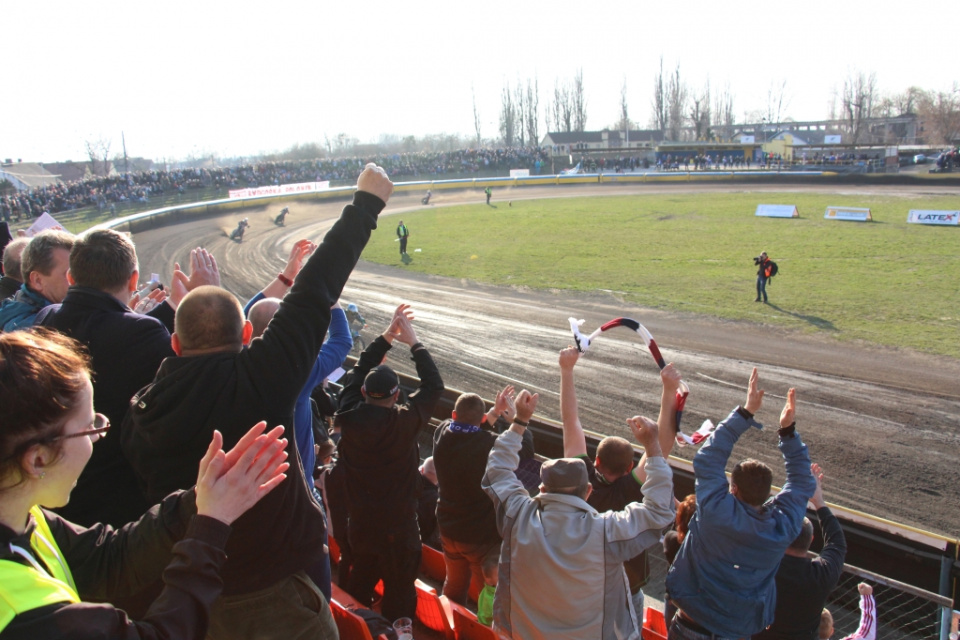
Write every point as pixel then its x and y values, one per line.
pixel 500 375
pixel 813 404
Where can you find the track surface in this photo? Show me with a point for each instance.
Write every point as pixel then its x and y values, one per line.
pixel 884 423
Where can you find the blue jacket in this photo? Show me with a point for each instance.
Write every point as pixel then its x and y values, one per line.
pixel 724 574
pixel 20 311
pixel 335 348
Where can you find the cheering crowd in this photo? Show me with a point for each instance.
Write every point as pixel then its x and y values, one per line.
pixel 211 413
pixel 140 186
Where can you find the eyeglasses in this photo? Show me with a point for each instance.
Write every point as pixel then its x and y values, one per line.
pixel 99 427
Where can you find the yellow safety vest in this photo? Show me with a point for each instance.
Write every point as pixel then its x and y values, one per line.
pixel 23 587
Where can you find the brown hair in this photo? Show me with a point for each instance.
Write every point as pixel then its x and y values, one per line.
pixel 470 409
pixel 209 317
pixel 803 541
pixel 753 480
pixel 38 254
pixel 616 455
pixel 41 373
pixel 103 260
pixel 684 513
pixel 826 625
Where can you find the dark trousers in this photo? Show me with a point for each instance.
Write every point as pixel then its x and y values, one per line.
pixel 387 550
pixel 762 288
pixel 403 245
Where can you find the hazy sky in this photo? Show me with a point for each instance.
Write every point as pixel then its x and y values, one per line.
pixel 238 78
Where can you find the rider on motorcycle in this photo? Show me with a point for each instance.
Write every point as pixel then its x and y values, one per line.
pixel 282 216
pixel 241 227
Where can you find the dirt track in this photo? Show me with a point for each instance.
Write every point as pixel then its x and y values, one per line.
pixel 884 423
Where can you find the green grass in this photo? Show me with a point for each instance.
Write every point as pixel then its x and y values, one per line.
pixel 886 282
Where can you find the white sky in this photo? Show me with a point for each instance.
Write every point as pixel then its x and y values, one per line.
pixel 237 78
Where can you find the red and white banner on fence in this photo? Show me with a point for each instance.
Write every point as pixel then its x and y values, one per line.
pixel 933 216
pixel 280 190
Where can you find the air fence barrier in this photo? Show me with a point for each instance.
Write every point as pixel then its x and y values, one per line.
pixel 904 564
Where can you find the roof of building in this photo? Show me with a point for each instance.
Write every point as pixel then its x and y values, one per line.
pixel 30 174
pixel 615 138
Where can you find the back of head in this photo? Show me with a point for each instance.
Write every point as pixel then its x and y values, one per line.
pixel 41 374
pixel 803 541
pixel 753 480
pixel 103 260
pixel 616 455
pixel 470 409
pixel 565 475
pixel 12 257
pixel 209 318
pixel 38 254
pixel 262 313
pixel 381 384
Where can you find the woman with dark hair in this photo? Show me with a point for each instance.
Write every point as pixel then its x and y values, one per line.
pixel 56 577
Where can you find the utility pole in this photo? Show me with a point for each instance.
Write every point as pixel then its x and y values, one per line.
pixel 126 163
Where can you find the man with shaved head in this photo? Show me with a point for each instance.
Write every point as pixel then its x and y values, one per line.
pixel 217 384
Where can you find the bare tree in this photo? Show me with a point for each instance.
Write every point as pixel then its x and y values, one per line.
pixel 508 117
pixel 521 113
pixel 579 102
pixel 660 111
pixel 476 118
pixel 533 115
pixel 940 112
pixel 624 114
pixel 724 117
pixel 857 99
pixel 98 150
pixel 778 100
pixel 908 101
pixel 700 114
pixel 677 96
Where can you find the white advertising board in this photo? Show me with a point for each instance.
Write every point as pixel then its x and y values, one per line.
pixel 519 173
pixel 831 139
pixel 280 190
pixel 747 139
pixel 848 213
pixel 933 216
pixel 777 211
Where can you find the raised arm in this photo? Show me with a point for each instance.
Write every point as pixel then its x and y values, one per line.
pixel 500 482
pixel 372 356
pixel 710 462
pixel 800 485
pixel 834 550
pixel 574 442
pixel 667 420
pixel 868 615
pixel 298 254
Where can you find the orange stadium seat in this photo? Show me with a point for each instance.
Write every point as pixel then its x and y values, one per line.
pixel 349 625
pixel 431 611
pixel 432 564
pixel 654 626
pixel 466 625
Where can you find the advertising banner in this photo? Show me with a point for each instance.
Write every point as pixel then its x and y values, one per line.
pixel 519 173
pixel 848 213
pixel 933 216
pixel 832 139
pixel 778 211
pixel 279 190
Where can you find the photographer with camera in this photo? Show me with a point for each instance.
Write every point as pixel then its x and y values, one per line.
pixel 766 269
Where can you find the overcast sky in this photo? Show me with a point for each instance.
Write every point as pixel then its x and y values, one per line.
pixel 238 78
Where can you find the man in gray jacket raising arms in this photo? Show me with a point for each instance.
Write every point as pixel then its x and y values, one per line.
pixel 561 563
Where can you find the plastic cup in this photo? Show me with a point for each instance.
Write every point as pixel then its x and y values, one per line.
pixel 404 628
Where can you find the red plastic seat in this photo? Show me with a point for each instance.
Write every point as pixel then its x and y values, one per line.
pixel 349 625
pixel 334 550
pixel 431 611
pixel 654 626
pixel 467 626
pixel 432 564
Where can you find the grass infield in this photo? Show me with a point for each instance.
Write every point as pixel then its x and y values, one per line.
pixel 885 282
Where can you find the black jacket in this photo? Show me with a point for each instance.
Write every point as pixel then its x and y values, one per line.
pixel 127 349
pixel 107 564
pixel 464 511
pixel 803 585
pixel 8 287
pixel 378 446
pixel 171 421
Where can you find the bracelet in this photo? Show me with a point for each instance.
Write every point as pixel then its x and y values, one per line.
pixel 284 279
pixel 521 422
pixel 416 347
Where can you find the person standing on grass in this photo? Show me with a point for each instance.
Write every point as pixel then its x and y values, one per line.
pixel 764 271
pixel 403 233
